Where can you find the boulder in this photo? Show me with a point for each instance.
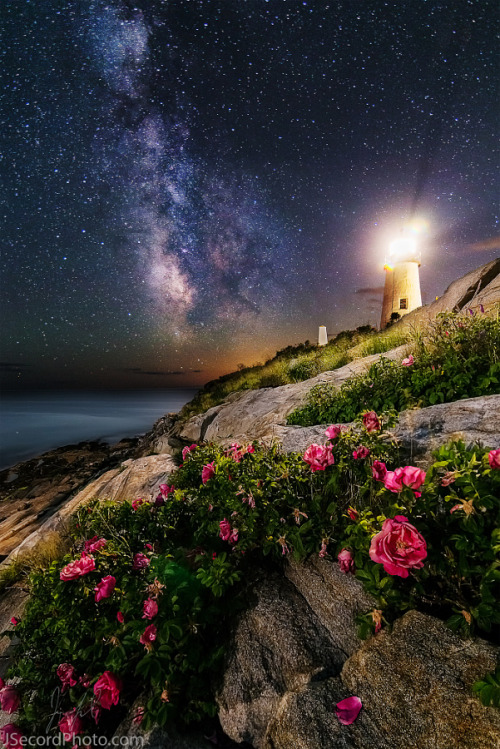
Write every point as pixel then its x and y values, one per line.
pixel 278 647
pixel 260 414
pixel 420 431
pixel 415 684
pixel 134 478
pixel 294 654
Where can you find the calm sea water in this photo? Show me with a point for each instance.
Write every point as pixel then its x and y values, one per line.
pixel 32 423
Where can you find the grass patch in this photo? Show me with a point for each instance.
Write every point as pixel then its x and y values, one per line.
pixel 459 357
pixel 295 364
pixel 49 549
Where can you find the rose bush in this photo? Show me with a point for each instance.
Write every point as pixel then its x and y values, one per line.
pixel 182 568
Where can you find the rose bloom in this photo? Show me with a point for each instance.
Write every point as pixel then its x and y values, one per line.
pixel 379 471
pixel 166 489
pixel 67 674
pixel 137 503
pixel 208 471
pixel 225 529
pixel 333 432
pixel 360 453
pixel 120 617
pixel 494 458
pixel 150 608
pixel 319 457
pixel 346 561
pixel 70 725
pixel 448 478
pixel 107 690
pixel 105 588
pixel 9 698
pixel 398 546
pixel 394 480
pixel 413 477
pixel 15 621
pixel 95 544
pixel 233 538
pixel 188 450
pixel 371 422
pixel 140 561
pixel 78 568
pixel 348 710
pixel 408 361
pixel 11 736
pixel 148 636
pixel 323 552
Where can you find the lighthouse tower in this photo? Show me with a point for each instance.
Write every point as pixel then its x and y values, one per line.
pixel 402 283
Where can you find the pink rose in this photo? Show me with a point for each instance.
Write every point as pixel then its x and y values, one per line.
pixel 360 453
pixel 84 681
pixel 140 561
pixel 150 608
pixel 95 712
pixel 166 489
pixel 333 432
pixel 9 698
pixel 250 449
pixel 319 457
pixel 70 725
pixel 107 690
pixel 408 361
pixel 120 617
pixel 379 471
pixel 413 477
pixel 67 674
pixel 78 568
pixel 494 458
pixel 233 538
pixel 95 544
pixel 398 546
pixel 323 552
pixel 394 480
pixel 225 529
pixel 15 621
pixel 208 471
pixel 105 588
pixel 371 422
pixel 137 503
pixel 148 636
pixel 139 715
pixel 348 710
pixel 11 736
pixel 188 450
pixel 346 561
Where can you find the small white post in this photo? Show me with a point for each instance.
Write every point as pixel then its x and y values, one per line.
pixel 322 336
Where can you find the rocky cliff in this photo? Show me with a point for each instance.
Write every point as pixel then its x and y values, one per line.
pixel 295 652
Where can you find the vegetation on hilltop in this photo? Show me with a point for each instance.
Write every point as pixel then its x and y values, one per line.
pixel 297 363
pixel 459 357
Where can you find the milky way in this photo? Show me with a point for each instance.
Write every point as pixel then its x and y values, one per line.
pixel 194 184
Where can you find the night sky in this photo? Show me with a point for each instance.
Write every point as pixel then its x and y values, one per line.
pixel 193 184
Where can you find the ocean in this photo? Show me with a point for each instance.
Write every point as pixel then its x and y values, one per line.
pixel 33 423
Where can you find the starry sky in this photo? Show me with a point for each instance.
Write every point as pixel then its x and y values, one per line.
pixel 191 184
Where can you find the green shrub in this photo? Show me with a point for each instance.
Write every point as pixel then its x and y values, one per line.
pixel 459 358
pixel 274 505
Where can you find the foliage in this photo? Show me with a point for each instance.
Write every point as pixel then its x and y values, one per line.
pixel 200 548
pixel 294 364
pixel 488 689
pixel 458 358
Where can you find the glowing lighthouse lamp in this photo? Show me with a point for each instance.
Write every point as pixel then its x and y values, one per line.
pixel 402 283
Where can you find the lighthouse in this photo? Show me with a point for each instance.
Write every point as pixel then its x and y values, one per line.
pixel 402 283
